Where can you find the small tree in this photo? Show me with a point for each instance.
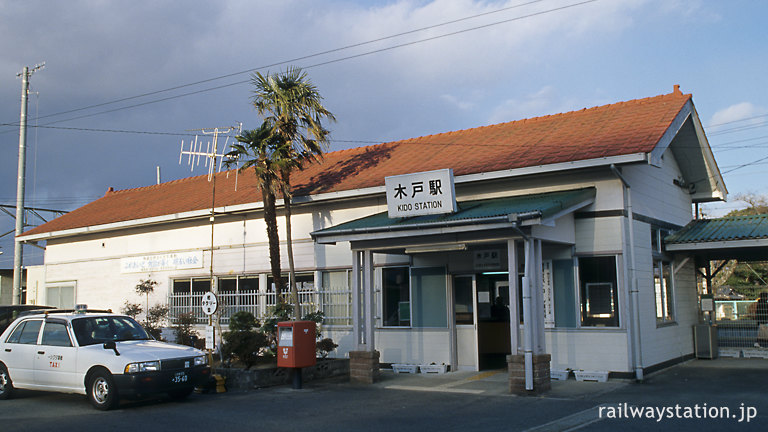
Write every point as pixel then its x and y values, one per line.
pixel 145 288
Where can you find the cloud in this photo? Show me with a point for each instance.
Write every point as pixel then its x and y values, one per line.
pixel 738 112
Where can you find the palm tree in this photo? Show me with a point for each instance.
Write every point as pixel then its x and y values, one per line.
pixel 293 106
pixel 260 150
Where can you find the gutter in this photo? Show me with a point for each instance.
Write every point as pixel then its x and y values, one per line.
pixel 633 327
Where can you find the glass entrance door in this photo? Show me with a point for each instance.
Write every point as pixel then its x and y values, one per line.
pixel 465 315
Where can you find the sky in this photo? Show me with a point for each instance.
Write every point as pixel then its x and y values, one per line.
pixel 125 82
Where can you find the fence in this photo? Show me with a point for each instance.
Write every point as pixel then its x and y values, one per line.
pixel 334 302
pixel 736 325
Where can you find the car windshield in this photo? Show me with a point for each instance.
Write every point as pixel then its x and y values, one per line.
pixel 96 330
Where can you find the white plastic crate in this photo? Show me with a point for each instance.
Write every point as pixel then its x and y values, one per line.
pixel 432 369
pixel 755 353
pixel 559 375
pixel 599 376
pixel 730 352
pixel 405 368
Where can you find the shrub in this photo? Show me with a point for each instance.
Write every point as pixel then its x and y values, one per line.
pixel 244 346
pixel 131 309
pixel 242 321
pixel 183 330
pixel 325 346
pixel 156 316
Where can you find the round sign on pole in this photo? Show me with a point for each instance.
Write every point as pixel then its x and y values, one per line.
pixel 209 303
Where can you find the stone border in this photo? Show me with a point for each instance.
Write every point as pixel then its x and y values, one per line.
pixel 255 378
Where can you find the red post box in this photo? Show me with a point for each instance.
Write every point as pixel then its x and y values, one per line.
pixel 296 344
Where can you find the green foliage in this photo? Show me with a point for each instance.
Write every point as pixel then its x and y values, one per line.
pixel 145 287
pixel 242 320
pixel 131 309
pixel 280 312
pixel 245 346
pixel 325 346
pixel 183 329
pixel 758 204
pixel 317 318
pixel 157 316
pixel 243 343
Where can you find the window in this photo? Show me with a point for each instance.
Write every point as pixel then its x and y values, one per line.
pixel 599 291
pixel 96 330
pixel 55 334
pixel 336 297
pixel 61 296
pixel 26 332
pixel 238 293
pixel 662 282
pixel 663 285
pixel 463 300
pixel 396 297
pixel 429 297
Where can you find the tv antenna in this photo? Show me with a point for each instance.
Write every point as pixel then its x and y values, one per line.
pixel 210 154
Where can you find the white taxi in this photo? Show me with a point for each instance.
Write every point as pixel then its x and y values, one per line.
pixel 102 355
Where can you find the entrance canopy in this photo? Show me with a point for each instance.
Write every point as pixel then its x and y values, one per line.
pixel 743 238
pixel 472 216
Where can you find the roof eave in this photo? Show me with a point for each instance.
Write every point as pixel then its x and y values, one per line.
pixel 340 195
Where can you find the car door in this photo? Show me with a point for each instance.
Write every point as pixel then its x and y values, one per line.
pixel 56 357
pixel 19 352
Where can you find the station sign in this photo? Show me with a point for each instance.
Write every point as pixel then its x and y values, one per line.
pixel 419 194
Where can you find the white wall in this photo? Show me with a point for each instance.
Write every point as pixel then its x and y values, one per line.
pixel 93 261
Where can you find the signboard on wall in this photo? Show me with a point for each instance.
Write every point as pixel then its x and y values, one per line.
pixel 419 194
pixel 171 261
pixel 487 259
pixel 546 283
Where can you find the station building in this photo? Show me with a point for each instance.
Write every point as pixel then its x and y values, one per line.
pixel 540 239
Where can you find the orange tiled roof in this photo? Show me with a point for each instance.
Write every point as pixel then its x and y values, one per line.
pixel 610 130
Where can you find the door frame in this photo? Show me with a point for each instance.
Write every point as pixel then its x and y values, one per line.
pixel 454 327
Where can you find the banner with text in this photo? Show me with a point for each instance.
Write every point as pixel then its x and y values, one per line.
pixel 171 261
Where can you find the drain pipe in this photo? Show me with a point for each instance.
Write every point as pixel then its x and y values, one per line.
pixel 634 323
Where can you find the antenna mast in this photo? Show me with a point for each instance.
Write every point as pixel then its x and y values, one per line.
pixel 25 74
pixel 194 154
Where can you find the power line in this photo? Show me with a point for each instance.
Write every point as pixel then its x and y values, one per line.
pixel 736 121
pixel 305 57
pixel 393 47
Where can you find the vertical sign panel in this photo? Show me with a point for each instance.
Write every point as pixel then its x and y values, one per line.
pixel 418 194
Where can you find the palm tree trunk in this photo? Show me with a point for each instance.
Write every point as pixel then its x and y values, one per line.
pixel 289 244
pixel 270 218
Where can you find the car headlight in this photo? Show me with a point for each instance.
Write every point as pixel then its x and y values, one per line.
pixel 201 360
pixel 149 366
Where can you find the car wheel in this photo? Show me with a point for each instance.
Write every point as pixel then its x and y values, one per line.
pixel 6 386
pixel 180 394
pixel 102 393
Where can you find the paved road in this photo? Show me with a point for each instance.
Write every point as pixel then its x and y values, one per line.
pixel 338 406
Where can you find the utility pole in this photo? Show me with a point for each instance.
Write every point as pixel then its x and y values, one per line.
pixel 25 74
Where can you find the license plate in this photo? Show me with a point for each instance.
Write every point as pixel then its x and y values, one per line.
pixel 180 377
